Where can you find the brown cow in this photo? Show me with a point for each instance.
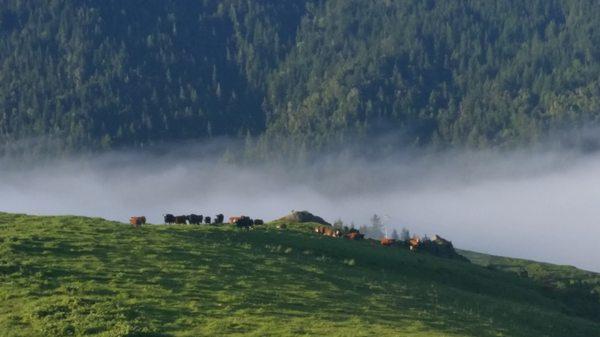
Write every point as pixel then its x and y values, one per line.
pixel 234 219
pixel 328 231
pixel 415 243
pixel 137 221
pixel 354 236
pixel 387 242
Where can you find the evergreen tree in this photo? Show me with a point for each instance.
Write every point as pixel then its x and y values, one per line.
pixel 404 234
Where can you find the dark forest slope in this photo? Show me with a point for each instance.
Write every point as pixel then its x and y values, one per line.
pixel 477 73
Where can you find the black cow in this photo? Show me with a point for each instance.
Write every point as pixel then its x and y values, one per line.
pixel 244 222
pixel 195 219
pixel 219 219
pixel 207 220
pixel 181 219
pixel 169 219
pixel 258 222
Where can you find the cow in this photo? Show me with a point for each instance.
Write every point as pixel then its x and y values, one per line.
pixel 387 242
pixel 244 222
pixel 207 220
pixel 195 219
pixel 328 231
pixel 234 219
pixel 169 219
pixel 219 219
pixel 137 221
pixel 354 236
pixel 181 219
pixel 415 243
pixel 258 222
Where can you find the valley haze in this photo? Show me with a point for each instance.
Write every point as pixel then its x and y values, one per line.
pixel 539 205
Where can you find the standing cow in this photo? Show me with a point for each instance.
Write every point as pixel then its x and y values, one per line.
pixel 244 222
pixel 328 231
pixel 195 219
pixel 169 219
pixel 219 219
pixel 207 220
pixel 181 219
pixel 137 221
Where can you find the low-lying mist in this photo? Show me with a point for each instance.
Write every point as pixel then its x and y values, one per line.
pixel 540 205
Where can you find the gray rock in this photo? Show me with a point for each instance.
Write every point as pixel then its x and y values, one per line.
pixel 304 216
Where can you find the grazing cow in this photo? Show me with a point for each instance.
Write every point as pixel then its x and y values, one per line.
pixel 387 242
pixel 181 219
pixel 234 219
pixel 137 221
pixel 169 219
pixel 219 219
pixel 195 219
pixel 244 222
pixel 258 222
pixel 415 243
pixel 207 220
pixel 354 236
pixel 328 231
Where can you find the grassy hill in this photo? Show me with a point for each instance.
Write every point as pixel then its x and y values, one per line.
pixel 579 288
pixel 88 276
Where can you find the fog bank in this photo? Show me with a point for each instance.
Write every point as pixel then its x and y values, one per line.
pixel 540 206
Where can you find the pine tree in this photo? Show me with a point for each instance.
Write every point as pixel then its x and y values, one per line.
pixel 404 234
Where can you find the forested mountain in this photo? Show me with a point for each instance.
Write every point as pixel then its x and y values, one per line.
pixel 102 74
pixel 106 73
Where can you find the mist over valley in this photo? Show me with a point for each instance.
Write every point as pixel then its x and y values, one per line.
pixel 528 204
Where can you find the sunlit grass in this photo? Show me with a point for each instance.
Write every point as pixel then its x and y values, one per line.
pixel 80 276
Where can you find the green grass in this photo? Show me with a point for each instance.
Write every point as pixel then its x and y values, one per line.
pixel 82 276
pixel 578 289
pixel 558 275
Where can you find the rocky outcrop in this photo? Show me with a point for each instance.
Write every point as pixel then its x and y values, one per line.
pixel 304 216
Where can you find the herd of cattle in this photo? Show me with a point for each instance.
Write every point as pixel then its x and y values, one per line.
pixel 436 245
pixel 194 219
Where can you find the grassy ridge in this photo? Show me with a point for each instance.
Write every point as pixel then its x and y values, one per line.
pixel 85 276
pixel 579 289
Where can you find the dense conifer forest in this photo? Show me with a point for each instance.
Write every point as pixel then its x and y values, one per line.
pixel 108 74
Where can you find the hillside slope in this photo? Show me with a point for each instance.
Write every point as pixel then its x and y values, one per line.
pixel 579 288
pixel 87 276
